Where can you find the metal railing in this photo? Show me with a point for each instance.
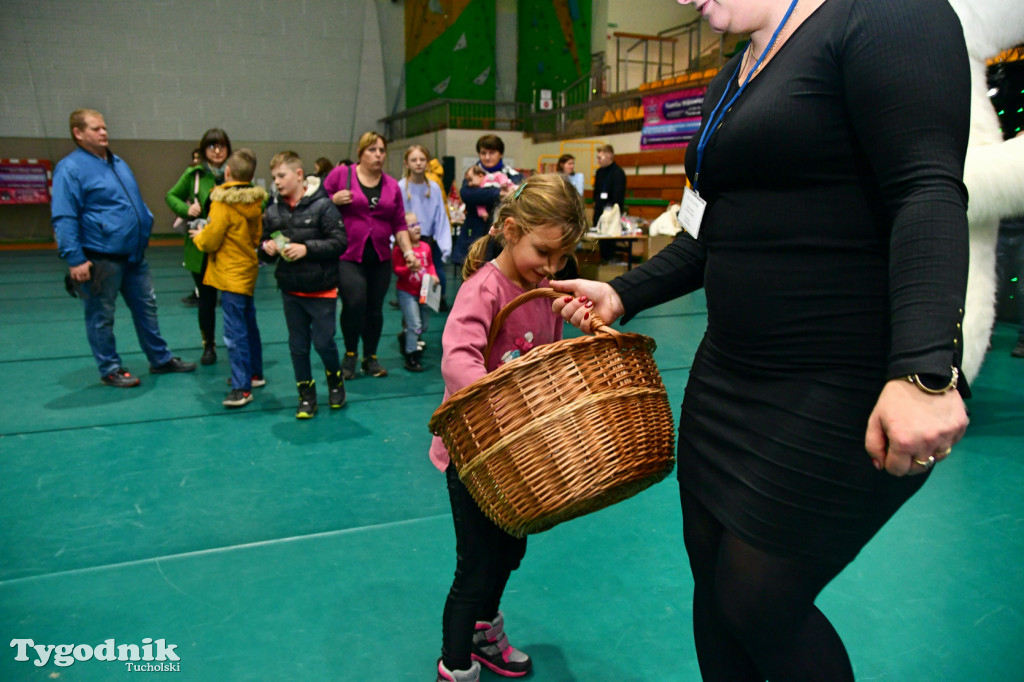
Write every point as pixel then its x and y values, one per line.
pixel 454 113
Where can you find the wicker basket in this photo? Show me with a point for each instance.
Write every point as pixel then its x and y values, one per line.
pixel 569 428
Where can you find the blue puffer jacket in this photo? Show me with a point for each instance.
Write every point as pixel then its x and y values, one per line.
pixel 97 206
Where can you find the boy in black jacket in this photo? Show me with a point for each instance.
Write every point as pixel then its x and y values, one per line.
pixel 304 232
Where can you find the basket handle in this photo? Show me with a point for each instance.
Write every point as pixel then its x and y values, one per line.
pixel 543 292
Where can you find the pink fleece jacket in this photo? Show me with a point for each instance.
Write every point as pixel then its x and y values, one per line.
pixel 469 322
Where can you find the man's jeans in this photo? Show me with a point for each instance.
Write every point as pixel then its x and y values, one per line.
pixel 242 338
pixel 99 297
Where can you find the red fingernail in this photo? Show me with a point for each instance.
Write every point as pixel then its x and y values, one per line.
pixel 590 304
pixel 586 316
pixel 568 299
pixel 583 299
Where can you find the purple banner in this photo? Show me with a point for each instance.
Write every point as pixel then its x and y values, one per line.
pixel 671 119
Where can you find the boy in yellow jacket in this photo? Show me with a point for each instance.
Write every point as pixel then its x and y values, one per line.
pixel 231 237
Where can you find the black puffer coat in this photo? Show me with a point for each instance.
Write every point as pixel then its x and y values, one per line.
pixel 315 222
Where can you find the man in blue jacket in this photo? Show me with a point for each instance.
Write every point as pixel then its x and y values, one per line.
pixel 102 227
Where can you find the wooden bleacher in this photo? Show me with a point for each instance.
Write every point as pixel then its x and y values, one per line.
pixel 650 187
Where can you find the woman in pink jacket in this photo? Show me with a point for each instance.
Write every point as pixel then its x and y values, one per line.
pixel 371 206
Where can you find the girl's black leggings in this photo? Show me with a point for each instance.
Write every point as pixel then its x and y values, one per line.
pixel 485 558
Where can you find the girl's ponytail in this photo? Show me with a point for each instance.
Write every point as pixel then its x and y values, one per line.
pixel 477 256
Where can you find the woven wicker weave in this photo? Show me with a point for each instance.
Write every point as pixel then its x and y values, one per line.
pixel 569 428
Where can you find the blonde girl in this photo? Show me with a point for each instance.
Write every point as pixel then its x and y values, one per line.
pixel 540 225
pixel 426 199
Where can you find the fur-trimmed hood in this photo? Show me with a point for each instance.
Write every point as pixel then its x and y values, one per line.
pixel 244 197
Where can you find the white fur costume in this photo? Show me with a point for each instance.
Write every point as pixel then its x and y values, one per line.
pixel 994 173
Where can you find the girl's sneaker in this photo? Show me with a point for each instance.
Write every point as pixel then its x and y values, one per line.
pixel 491 648
pixel 446 675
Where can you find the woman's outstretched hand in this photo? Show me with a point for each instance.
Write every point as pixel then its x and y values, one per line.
pixel 585 298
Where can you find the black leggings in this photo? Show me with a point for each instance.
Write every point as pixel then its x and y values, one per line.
pixel 485 559
pixel 754 616
pixel 207 312
pixel 363 288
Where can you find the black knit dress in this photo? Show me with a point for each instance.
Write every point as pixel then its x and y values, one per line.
pixel 833 252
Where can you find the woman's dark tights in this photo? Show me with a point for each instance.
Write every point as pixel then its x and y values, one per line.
pixel 754 616
pixel 363 288
pixel 207 312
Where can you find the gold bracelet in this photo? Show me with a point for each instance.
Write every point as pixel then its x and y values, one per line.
pixel 951 386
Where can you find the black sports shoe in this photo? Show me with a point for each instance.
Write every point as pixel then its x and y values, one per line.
pixel 307 400
pixel 335 390
pixel 173 365
pixel 209 354
pixel 1018 350
pixel 120 378
pixel 238 398
pixel 412 361
pixel 373 368
pixel 348 366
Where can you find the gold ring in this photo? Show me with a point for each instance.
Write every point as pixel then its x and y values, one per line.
pixel 947 450
pixel 927 464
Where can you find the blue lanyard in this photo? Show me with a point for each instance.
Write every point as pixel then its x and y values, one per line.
pixel 716 117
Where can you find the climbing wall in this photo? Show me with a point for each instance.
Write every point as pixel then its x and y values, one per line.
pixel 554 45
pixel 449 48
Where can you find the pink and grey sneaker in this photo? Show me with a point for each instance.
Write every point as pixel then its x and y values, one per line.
pixel 446 675
pixel 491 648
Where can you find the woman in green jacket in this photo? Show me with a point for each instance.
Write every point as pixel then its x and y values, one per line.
pixel 188 200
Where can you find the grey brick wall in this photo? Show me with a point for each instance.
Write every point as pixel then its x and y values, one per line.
pixel 303 70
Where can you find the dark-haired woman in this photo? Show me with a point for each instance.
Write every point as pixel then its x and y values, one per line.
pixel 188 200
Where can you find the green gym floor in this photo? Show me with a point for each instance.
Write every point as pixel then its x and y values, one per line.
pixel 267 548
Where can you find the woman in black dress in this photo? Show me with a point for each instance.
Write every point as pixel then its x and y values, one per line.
pixel 833 254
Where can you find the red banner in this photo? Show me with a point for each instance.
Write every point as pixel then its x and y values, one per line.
pixel 25 181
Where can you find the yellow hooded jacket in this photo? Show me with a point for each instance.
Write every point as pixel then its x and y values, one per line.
pixel 232 236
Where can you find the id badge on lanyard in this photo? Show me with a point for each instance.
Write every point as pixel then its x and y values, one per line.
pixel 691 212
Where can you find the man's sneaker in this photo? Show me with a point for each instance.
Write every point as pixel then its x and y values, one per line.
pixel 348 366
pixel 121 378
pixel 491 648
pixel 446 675
pixel 1018 350
pixel 307 400
pixel 173 365
pixel 192 300
pixel 373 368
pixel 238 398
pixel 335 390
